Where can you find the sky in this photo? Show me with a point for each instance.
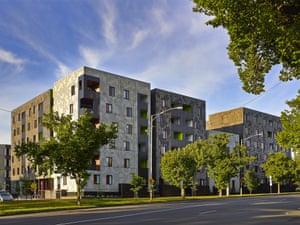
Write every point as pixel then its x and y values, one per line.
pixel 162 42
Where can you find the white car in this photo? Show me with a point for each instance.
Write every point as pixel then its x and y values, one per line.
pixel 5 196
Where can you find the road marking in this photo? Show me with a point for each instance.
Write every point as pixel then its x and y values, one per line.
pixel 137 214
pixel 207 212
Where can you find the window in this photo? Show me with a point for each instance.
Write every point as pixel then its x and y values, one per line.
pixel 162 150
pixel 164 134
pixel 163 103
pixel 18 171
pixel 126 163
pixel 33 109
pixel 128 129
pixel 35 123
pixel 108 161
pixel 109 179
pixel 13 172
pixel 96 179
pixel 111 91
pixel 73 90
pixel 108 108
pixel 125 94
pixel 178 136
pixel 29 112
pixel 71 110
pixel 80 85
pixel 126 146
pixel 129 111
pixel 34 138
pixel 40 107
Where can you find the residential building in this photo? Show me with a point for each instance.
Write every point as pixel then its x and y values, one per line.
pixel 26 126
pixel 112 99
pixel 257 131
pixel 174 128
pixel 4 167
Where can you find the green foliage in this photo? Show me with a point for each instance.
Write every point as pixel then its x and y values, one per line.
pixel 280 167
pixel 137 184
pixel 178 168
pixel 290 120
pixel 72 148
pixel 251 180
pixel 262 34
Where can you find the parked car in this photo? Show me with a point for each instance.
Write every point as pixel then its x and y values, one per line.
pixel 5 196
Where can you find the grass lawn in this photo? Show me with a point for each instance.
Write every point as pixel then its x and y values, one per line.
pixel 29 206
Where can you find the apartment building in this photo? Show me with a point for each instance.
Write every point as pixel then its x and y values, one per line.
pixel 257 131
pixel 4 167
pixel 112 99
pixel 174 127
pixel 26 126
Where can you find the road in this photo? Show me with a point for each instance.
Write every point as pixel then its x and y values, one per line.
pixel 273 210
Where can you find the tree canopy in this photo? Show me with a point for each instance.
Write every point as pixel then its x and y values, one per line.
pixel 72 148
pixel 290 120
pixel 279 167
pixel 178 168
pixel 263 33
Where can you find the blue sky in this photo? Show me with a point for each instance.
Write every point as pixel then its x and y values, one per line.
pixel 158 41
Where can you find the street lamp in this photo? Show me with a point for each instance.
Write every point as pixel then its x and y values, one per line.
pixel 153 117
pixel 242 142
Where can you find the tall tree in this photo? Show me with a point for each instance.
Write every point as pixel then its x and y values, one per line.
pixel 72 148
pixel 251 180
pixel 279 167
pixel 178 168
pixel 221 162
pixel 288 138
pixel 263 33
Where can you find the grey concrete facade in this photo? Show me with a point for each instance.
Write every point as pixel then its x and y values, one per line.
pixel 4 167
pixel 113 99
pixel 257 131
pixel 176 128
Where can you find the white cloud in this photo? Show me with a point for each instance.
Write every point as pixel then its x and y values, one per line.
pixel 108 15
pixel 165 27
pixel 62 70
pixel 138 37
pixel 9 57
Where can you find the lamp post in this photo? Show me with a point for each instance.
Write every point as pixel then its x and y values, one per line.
pixel 242 142
pixel 153 117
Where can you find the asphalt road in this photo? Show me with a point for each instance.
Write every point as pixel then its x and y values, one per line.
pixel 273 210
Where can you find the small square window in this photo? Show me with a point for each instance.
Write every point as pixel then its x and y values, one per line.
pixel 126 163
pixel 126 146
pixel 128 129
pixel 71 110
pixel 96 179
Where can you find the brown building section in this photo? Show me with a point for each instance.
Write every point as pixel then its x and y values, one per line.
pixel 25 127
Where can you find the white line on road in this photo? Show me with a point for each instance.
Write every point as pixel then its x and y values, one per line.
pixel 136 214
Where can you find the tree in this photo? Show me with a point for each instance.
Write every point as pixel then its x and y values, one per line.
pixel 279 167
pixel 221 163
pixel 288 138
pixel 72 148
pixel 262 34
pixel 251 180
pixel 137 184
pixel 178 168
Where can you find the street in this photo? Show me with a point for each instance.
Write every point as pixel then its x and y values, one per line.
pixel 281 209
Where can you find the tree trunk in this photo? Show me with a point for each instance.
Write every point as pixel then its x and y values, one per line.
pixel 220 193
pixel 78 194
pixel 278 188
pixel 182 192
